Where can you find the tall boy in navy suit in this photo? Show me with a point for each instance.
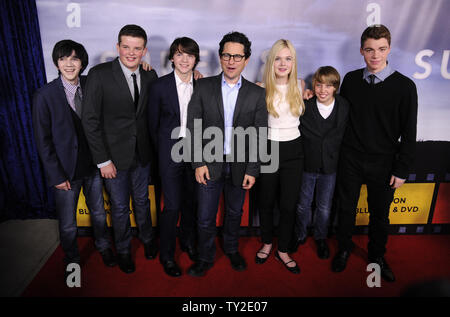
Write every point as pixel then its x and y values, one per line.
pixel 168 103
pixel 64 151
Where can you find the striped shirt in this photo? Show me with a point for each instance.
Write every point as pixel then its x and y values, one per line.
pixel 70 91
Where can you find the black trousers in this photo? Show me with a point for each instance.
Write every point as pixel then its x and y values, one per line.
pixel 282 187
pixel 375 171
pixel 178 184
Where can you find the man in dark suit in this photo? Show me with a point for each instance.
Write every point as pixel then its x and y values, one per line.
pixel 115 120
pixel 168 103
pixel 223 103
pixel 64 151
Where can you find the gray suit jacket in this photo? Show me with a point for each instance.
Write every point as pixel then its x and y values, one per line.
pixel 250 111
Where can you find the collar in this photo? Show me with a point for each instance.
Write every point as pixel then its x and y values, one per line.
pixel 126 71
pixel 325 106
pixel 238 84
pixel 70 87
pixel 381 75
pixel 178 81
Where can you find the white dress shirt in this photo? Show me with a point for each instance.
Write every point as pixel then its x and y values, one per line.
pixel 184 91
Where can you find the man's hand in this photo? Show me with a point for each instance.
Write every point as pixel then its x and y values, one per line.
pixel 109 171
pixel 197 75
pixel 202 174
pixel 146 66
pixel 248 182
pixel 396 182
pixel 63 186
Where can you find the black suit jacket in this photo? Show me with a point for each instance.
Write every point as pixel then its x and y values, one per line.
pixel 163 117
pixel 54 131
pixel 250 111
pixel 113 127
pixel 323 147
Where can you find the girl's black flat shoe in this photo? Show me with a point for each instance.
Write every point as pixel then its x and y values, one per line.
pixel 295 269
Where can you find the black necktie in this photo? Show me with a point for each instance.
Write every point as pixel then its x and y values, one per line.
pixel 372 79
pixel 136 90
pixel 77 102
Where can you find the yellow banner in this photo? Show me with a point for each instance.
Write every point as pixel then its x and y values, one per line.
pixel 84 218
pixel 411 205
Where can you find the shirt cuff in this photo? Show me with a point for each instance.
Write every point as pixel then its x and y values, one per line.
pixel 104 164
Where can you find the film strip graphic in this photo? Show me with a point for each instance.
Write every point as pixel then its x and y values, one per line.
pixel 417 208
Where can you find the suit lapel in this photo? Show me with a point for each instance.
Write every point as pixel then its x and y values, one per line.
pixel 143 91
pixel 63 101
pixel 240 102
pixel 121 80
pixel 173 94
pixel 218 94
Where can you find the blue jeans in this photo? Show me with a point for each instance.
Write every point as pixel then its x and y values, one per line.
pixel 134 182
pixel 324 185
pixel 66 204
pixel 208 203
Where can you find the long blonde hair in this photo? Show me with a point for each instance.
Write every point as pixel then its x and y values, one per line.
pixel 293 96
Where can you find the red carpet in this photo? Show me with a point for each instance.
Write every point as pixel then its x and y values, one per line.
pixel 413 258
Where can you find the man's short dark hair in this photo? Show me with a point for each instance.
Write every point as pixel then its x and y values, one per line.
pixel 65 48
pixel 185 45
pixel 134 31
pixel 376 31
pixel 236 37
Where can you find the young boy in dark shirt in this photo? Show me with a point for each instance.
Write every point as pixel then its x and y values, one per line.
pixel 322 128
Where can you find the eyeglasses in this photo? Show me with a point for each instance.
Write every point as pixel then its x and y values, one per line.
pixel 236 57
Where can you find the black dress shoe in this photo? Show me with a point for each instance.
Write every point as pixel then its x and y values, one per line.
pixel 191 251
pixel 323 252
pixel 294 244
pixel 199 268
pixel 171 268
pixel 237 261
pixel 340 261
pixel 294 269
pixel 126 264
pixel 109 259
pixel 259 260
pixel 150 250
pixel 386 272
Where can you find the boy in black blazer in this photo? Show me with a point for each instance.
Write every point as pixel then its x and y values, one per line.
pixel 115 121
pixel 167 111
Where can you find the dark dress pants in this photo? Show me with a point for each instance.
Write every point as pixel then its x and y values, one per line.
pixel 208 203
pixel 281 187
pixel 66 204
pixel 134 182
pixel 178 185
pixel 356 168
